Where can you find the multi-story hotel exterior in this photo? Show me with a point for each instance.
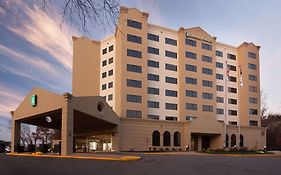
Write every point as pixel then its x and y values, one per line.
pixel 171 89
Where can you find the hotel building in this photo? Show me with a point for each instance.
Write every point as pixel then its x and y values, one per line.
pixel 149 87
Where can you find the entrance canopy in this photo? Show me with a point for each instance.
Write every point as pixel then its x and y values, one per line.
pixel 74 116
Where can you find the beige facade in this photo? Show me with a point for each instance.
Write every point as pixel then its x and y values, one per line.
pixel 164 89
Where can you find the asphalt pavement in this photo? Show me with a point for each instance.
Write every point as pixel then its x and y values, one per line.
pixel 149 164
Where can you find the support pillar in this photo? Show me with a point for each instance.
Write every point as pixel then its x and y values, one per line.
pixel 199 143
pixel 67 127
pixel 16 127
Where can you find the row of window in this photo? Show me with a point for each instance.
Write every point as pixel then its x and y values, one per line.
pixel 151 50
pixel 229 56
pixel 110 48
pixel 110 61
pixel 155 64
pixel 109 97
pixel 150 104
pixel 109 85
pixel 104 74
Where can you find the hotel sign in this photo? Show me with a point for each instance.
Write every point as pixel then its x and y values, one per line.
pixel 34 100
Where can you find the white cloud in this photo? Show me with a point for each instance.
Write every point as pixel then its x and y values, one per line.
pixel 44 32
pixel 9 100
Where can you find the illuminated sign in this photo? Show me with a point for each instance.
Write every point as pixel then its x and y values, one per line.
pixel 34 100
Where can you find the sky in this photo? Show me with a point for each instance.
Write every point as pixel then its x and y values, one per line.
pixel 36 52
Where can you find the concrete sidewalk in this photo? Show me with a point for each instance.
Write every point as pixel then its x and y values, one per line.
pixel 88 156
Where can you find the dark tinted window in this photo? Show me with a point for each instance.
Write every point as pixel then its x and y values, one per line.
pixel 134 39
pixel 134 53
pixel 134 24
pixel 153 37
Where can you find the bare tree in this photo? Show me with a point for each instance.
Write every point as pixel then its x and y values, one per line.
pixel 87 13
pixel 45 134
pixel 264 106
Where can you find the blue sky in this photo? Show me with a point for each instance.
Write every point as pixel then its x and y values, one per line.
pixel 35 52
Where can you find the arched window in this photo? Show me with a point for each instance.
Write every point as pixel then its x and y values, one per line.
pixel 241 144
pixel 155 138
pixel 177 139
pixel 233 140
pixel 226 141
pixel 167 139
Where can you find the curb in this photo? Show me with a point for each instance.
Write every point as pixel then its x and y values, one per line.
pixel 122 158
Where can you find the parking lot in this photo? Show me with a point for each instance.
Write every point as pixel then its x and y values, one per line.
pixel 149 164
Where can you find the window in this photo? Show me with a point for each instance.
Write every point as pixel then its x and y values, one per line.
pixel 133 113
pixel 207 71
pixel 151 63
pixel 219 53
pixel 152 104
pixel 232 123
pixel 134 53
pixel 232 90
pixel 191 106
pixel 103 87
pixel 154 91
pixel 172 118
pixel 134 98
pixel 110 84
pixel 171 80
pixel 253 111
pixel 191 55
pixel 253 123
pixel 170 67
pixel 153 37
pixel 206 46
pixel 177 139
pixel 190 93
pixel 188 117
pixel 191 68
pixel 134 68
pixel 252 88
pixel 241 141
pixel 208 96
pixel 231 67
pixel 219 65
pixel 170 54
pixel 231 56
pixel 232 79
pixel 171 93
pixel 219 76
pixel 110 48
pixel 252 77
pixel 166 139
pixel 153 50
pixel 103 75
pixel 232 101
pixel 153 77
pixel 232 112
pixel 190 42
pixel 134 39
pixel 110 97
pixel 134 83
pixel 104 51
pixel 252 55
pixel 220 100
pixel 206 58
pixel 207 83
pixel 219 88
pixel 171 106
pixel 252 66
pixel 253 100
pixel 207 108
pixel 134 24
pixel 110 73
pixel 233 140
pixel 154 117
pixel 189 80
pixel 171 41
pixel 156 138
pixel 220 111
pixel 104 62
pixel 110 60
